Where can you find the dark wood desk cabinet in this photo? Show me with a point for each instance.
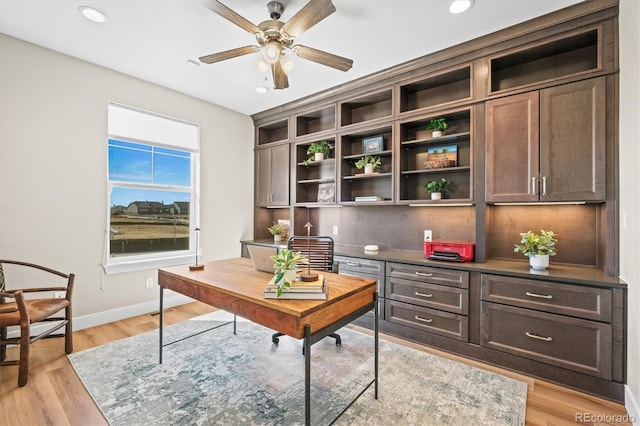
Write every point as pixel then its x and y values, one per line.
pixel 565 325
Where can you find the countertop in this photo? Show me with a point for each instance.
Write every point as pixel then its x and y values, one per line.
pixel 514 268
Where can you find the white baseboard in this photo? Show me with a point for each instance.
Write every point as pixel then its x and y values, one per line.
pixel 99 318
pixel 631 404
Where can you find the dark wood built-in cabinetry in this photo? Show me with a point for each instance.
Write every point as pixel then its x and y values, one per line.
pixel 547 145
pixel 532 111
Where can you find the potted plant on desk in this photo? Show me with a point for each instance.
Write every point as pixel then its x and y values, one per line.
pixel 285 264
pixel 537 248
pixel 276 230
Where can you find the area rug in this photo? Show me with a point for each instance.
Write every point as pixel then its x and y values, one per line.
pixel 218 378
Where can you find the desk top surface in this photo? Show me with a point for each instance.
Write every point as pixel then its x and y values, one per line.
pixel 234 285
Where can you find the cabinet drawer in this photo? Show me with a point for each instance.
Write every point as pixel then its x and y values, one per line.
pixel 571 343
pixel 428 274
pixel 379 279
pixel 435 296
pixel 363 266
pixel 425 319
pixel 578 301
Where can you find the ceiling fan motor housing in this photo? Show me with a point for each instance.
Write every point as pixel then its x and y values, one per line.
pixel 275 9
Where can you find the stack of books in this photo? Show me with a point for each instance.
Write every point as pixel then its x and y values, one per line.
pixel 311 290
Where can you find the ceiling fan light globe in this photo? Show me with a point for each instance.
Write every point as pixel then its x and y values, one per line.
pixel 263 67
pixel 287 64
pixel 271 52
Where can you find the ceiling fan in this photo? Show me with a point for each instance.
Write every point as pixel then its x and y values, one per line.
pixel 274 37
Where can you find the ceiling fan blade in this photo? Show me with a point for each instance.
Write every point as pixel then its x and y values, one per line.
pixel 222 10
pixel 324 58
pixel 228 54
pixel 280 80
pixel 312 13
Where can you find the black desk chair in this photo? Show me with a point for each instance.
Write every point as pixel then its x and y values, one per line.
pixel 319 251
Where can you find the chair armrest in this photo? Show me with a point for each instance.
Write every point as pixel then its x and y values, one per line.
pixel 20 305
pixel 69 277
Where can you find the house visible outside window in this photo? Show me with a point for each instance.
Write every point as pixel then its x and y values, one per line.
pixel 152 190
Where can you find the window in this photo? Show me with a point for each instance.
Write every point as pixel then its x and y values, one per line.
pixel 152 190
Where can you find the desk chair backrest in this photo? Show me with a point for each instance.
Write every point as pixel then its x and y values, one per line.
pixel 319 250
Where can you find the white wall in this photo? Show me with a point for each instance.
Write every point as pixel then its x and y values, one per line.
pixel 53 166
pixel 630 188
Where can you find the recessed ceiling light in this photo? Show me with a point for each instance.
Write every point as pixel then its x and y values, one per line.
pixel 261 89
pixel 92 14
pixel 459 6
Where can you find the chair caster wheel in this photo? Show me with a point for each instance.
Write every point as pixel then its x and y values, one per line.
pixel 338 341
pixel 275 340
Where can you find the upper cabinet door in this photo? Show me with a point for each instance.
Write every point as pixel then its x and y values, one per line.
pixel 573 141
pixel 512 155
pixel 272 176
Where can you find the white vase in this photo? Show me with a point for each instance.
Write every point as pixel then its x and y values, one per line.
pixel 290 275
pixel 436 133
pixel 318 156
pixel 436 195
pixel 277 238
pixel 539 261
pixel 368 169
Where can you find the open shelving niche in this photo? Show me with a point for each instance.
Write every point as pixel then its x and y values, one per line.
pixel 315 178
pixel 416 141
pixel 436 90
pixel 353 181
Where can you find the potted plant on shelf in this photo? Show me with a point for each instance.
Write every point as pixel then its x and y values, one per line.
pixel 438 125
pixel 320 150
pixel 285 265
pixel 537 248
pixel 437 187
pixel 276 230
pixel 369 163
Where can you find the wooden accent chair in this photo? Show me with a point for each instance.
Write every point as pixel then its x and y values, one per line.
pixel 319 251
pixel 17 310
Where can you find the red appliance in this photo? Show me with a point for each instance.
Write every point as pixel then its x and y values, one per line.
pixel 455 251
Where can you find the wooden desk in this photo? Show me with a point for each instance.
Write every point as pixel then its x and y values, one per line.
pixel 235 286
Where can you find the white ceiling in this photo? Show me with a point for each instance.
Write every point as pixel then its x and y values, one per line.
pixel 153 39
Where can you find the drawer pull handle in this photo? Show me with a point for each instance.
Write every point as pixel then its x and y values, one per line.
pixel 540 296
pixel 535 336
pixel 423 294
pixel 353 263
pixel 422 274
pixel 423 319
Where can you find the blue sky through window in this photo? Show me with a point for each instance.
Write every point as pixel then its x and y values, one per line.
pixel 145 164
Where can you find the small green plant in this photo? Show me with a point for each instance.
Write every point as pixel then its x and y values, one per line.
pixel 437 124
pixel 437 185
pixel 369 159
pixel 276 229
pixel 532 243
pixel 317 148
pixel 286 260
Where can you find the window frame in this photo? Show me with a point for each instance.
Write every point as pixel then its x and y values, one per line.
pixel 138 262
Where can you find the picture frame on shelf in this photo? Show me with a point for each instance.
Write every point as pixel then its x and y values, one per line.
pixel 372 144
pixel 442 157
pixel 326 193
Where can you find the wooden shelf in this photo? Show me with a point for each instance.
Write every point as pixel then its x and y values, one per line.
pixel 367 176
pixel 273 132
pixel 436 90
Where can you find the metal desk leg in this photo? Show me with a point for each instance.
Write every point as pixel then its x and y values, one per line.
pixel 375 344
pixel 161 317
pixel 307 375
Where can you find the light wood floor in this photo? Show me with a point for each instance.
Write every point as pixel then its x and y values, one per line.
pixel 55 395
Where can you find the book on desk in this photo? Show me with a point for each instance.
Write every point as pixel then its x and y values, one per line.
pixel 312 290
